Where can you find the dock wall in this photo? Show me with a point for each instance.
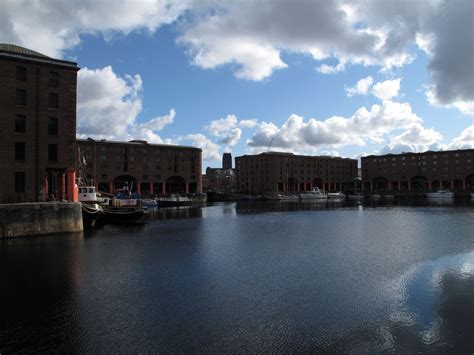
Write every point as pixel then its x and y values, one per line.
pixel 24 219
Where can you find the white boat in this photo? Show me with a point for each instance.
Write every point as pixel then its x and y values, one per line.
pixel 336 195
pixel 91 210
pixel 314 194
pixel 376 196
pixel 174 200
pixel 440 194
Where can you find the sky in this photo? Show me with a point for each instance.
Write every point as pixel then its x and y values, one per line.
pixel 343 78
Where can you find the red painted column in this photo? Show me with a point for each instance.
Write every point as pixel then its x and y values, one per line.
pixel 62 186
pixel 186 187
pixel 409 185
pixel 139 190
pixel 452 184
pixel 440 184
pixel 151 188
pixel 163 188
pixel 464 184
pixel 72 193
pixel 111 188
pixel 371 187
pixel 389 186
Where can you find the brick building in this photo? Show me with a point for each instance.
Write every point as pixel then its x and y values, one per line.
pixel 37 126
pixel 286 172
pixel 148 169
pixel 428 171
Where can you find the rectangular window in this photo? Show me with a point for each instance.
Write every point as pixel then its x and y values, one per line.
pixel 52 126
pixel 19 182
pixel 53 101
pixel 19 150
pixel 21 97
pixel 20 124
pixel 52 152
pixel 21 73
pixel 53 80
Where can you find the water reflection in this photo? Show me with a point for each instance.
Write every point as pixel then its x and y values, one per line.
pixel 238 277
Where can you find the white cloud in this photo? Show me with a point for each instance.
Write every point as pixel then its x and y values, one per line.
pixel 52 26
pixel 361 88
pixel 415 139
pixel 107 105
pixel 250 35
pixel 464 141
pixel 227 129
pixel 210 150
pixel 387 89
pixel 362 127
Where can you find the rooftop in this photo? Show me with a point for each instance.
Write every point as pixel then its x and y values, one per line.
pixel 134 143
pixel 18 52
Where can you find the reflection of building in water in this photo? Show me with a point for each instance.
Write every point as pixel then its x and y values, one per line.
pixel 37 126
pixel 428 171
pixel 286 172
pixel 220 180
pixel 148 169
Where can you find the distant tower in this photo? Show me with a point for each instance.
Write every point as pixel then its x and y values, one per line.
pixel 226 161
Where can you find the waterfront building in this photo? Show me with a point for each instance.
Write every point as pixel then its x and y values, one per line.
pixel 37 126
pixel 221 180
pixel 147 169
pixel 428 171
pixel 285 172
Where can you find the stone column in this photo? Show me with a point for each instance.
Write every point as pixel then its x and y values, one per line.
pixel 441 183
pixel 429 185
pixel 389 185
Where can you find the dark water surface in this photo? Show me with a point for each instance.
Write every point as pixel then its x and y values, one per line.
pixel 248 277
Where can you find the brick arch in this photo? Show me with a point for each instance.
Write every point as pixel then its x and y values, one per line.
pixel 176 184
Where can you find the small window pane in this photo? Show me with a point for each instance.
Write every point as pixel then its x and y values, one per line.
pixel 52 152
pixel 21 97
pixel 53 126
pixel 20 124
pixel 53 101
pixel 20 182
pixel 21 73
pixel 53 79
pixel 19 150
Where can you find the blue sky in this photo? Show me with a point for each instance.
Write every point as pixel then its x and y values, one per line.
pixel 277 74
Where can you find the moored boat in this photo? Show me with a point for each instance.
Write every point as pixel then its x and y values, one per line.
pixel 336 195
pixel 315 194
pixel 440 194
pixel 92 212
pixel 174 201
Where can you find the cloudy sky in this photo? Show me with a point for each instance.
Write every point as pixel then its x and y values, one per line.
pixel 339 77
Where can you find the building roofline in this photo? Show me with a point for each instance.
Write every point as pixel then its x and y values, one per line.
pixel 415 153
pixel 139 143
pixel 287 154
pixel 15 52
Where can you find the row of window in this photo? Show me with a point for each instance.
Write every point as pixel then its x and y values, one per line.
pixel 22 99
pixel 20 155
pixel 20 125
pixel 53 77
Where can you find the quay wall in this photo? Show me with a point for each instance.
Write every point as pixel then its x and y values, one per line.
pixel 25 219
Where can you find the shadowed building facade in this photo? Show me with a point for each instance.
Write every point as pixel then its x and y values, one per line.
pixel 37 126
pixel 286 172
pixel 149 169
pixel 428 171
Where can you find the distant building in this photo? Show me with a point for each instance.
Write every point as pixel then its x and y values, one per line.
pixel 148 169
pixel 432 170
pixel 221 180
pixel 286 172
pixel 37 126
pixel 226 161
